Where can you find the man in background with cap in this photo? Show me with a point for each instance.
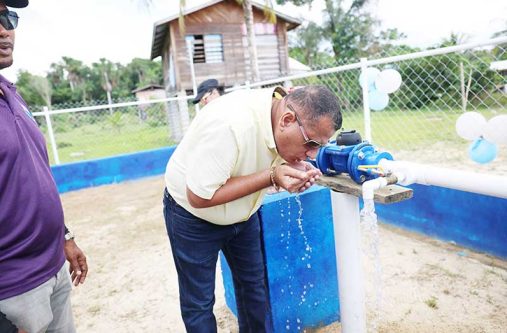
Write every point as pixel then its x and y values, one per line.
pixel 35 285
pixel 207 91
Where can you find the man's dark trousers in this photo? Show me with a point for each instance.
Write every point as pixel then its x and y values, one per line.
pixel 195 245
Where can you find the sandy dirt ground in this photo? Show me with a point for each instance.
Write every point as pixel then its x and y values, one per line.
pixel 426 285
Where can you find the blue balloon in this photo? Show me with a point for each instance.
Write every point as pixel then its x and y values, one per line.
pixel 377 100
pixel 482 151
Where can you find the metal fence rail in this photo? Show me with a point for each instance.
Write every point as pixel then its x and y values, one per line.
pixel 417 125
pixel 84 133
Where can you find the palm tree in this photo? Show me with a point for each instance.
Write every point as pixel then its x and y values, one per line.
pixel 252 47
pixel 43 87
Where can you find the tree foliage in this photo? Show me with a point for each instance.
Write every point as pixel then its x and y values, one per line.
pixel 70 80
pixel 306 46
pixel 349 31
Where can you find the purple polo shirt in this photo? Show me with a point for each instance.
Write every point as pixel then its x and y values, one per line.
pixel 31 214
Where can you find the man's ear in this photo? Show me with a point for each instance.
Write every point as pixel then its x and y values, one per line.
pixel 286 119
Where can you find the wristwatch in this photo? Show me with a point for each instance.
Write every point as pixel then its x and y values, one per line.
pixel 68 234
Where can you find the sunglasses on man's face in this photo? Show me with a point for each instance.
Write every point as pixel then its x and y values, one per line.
pixel 311 144
pixel 9 19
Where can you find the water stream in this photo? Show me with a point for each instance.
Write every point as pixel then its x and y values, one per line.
pixel 370 228
pixel 304 254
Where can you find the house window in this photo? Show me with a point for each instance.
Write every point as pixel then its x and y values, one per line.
pixel 206 48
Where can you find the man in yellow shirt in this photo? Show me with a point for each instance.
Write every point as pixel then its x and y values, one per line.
pixel 215 183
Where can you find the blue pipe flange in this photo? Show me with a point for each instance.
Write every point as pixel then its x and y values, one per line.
pixel 355 159
pixel 364 154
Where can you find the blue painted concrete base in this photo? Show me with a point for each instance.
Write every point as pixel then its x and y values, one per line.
pixel 468 219
pixel 301 271
pixel 75 176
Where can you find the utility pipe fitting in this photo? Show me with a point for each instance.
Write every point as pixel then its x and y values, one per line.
pixel 349 154
pixel 371 185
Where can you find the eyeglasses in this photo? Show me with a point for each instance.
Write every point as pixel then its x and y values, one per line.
pixel 312 144
pixel 9 19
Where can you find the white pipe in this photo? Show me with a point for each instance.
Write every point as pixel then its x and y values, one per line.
pixel 117 105
pixel 347 238
pixel 409 173
pixel 372 185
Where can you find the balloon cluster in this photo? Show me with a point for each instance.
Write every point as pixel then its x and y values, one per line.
pixel 485 135
pixel 379 85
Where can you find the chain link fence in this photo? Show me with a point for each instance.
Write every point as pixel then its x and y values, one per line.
pixel 104 130
pixel 417 125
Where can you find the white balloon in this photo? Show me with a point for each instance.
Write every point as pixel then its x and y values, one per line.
pixel 470 125
pixel 496 129
pixel 371 74
pixel 388 81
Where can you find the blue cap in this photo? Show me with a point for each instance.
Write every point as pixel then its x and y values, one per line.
pixel 203 88
pixel 16 3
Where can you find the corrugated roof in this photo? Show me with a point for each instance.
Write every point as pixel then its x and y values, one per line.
pixel 160 28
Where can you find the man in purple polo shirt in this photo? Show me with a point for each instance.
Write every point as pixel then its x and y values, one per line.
pixel 34 242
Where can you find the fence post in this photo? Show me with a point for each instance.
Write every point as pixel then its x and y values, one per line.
pixel 183 112
pixel 366 107
pixel 51 134
pixel 174 121
pixel 190 49
pixel 108 93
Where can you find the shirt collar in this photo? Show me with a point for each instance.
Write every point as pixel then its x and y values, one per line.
pixel 6 83
pixel 277 92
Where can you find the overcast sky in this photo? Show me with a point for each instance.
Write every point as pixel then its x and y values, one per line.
pixel 120 30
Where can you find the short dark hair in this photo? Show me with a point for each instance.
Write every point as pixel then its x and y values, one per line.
pixel 317 101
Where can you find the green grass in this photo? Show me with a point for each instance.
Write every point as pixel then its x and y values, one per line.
pixel 103 139
pixel 432 302
pixel 409 129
